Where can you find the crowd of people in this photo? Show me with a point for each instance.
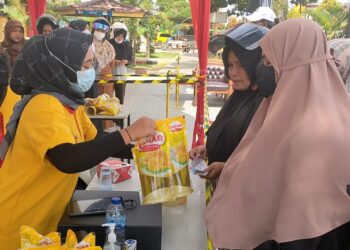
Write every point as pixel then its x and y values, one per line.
pixel 49 138
pixel 277 152
pixel 113 53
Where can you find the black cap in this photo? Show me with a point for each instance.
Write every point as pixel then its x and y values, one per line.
pixel 246 35
pixel 46 19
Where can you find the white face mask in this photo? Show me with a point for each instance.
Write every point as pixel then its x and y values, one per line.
pixel 119 41
pixel 87 32
pixel 99 35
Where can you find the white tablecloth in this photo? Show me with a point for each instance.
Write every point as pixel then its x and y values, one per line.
pixel 183 227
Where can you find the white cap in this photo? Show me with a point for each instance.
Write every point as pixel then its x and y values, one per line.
pixel 117 25
pixel 262 13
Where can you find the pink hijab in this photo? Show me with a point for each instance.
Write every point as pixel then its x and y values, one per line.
pixel 287 178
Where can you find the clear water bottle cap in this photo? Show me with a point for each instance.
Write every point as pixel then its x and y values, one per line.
pixel 116 200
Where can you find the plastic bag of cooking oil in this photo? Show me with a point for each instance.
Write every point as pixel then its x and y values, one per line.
pixel 88 243
pixel 31 239
pixel 103 105
pixel 71 239
pixel 162 162
pixel 154 167
pixel 176 136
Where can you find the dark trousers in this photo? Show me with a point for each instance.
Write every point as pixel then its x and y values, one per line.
pixel 119 89
pixel 93 93
pixel 337 239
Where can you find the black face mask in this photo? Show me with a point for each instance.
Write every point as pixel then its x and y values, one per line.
pixel 265 80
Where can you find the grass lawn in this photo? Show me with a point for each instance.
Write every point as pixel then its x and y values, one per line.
pixel 158 55
pixel 150 66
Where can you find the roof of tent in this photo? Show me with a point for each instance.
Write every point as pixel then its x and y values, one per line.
pixel 106 8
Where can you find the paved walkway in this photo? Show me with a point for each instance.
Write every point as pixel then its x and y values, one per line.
pixel 183 226
pixel 150 99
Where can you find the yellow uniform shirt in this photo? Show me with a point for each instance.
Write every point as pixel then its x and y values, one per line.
pixel 8 105
pixel 32 191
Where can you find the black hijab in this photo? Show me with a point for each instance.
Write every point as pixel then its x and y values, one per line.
pixel 249 59
pixel 265 79
pixel 37 69
pixel 4 67
pixel 78 24
pixel 234 118
pixel 4 74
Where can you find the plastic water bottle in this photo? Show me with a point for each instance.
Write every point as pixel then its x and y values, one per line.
pixel 111 244
pixel 106 178
pixel 115 213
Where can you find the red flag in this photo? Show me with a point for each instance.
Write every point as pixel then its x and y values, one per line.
pixel 200 10
pixel 36 8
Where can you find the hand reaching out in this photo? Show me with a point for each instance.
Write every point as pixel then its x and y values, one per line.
pixel 213 171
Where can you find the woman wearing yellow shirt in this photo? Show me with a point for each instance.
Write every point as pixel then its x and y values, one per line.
pixel 7 105
pixel 49 137
pixel 5 93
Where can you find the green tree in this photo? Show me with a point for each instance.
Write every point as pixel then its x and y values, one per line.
pixel 280 7
pixel 133 28
pixel 332 17
pixel 347 31
pixel 303 2
pixel 175 10
pixel 133 31
pixel 165 22
pixel 149 24
pixel 242 6
pixel 248 5
pixel 168 14
pixel 216 4
pixel 296 13
pixel 15 10
pixel 51 6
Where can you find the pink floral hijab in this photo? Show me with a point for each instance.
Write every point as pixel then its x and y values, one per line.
pixel 287 178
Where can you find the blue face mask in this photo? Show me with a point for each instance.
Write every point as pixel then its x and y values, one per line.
pixel 85 79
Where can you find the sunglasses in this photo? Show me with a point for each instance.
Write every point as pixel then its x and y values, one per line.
pixel 100 26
